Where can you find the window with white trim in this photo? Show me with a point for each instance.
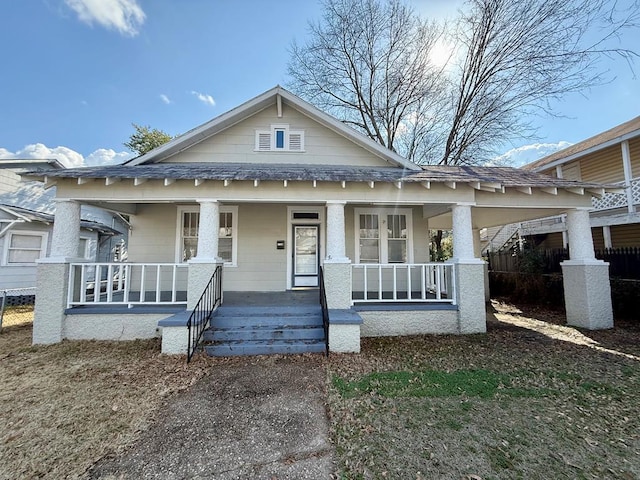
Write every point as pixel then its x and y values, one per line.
pixel 383 235
pixel 24 247
pixel 84 247
pixel 279 138
pixel 189 221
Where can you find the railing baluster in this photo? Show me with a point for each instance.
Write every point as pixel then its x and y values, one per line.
pixel 142 279
pixel 109 283
pixel 379 282
pixel 173 283
pixel 97 283
pixel 395 283
pixel 408 282
pixel 366 282
pixel 83 284
pixel 439 269
pixel 423 282
pixel 158 283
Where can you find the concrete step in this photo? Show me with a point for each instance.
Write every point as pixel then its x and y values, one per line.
pixel 264 348
pixel 235 334
pixel 260 321
pixel 266 311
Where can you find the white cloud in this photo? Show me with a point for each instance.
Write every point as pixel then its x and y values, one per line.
pixel 69 158
pixel 165 99
pixel 106 156
pixel 517 157
pixel 204 98
pixel 124 16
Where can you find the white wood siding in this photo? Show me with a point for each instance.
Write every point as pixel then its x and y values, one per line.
pixel 237 144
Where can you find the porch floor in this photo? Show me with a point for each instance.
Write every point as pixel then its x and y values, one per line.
pixel 267 299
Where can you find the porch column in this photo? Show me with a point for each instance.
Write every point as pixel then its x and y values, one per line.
pixel 626 166
pixel 469 273
pixel 606 235
pixel 201 267
pixel 52 277
pixel 344 336
pixel 587 291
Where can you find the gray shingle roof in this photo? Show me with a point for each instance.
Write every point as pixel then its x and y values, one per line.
pixel 505 176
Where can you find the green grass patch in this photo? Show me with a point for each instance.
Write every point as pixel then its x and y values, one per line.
pixel 433 383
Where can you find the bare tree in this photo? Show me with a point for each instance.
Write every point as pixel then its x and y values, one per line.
pixel 367 62
pixel 519 56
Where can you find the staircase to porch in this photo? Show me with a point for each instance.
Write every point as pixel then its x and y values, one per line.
pixel 251 323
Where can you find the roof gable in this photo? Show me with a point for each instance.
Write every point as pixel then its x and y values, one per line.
pixel 277 97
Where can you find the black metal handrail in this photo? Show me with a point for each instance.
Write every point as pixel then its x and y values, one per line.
pixel 201 315
pixel 325 311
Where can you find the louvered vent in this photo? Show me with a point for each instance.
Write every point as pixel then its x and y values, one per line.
pixel 295 141
pixel 264 141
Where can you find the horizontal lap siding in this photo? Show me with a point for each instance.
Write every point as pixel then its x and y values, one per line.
pixel 261 267
pixel 598 238
pixel 237 144
pixel 634 153
pixel 625 235
pixel 604 166
pixel 153 234
pixel 17 277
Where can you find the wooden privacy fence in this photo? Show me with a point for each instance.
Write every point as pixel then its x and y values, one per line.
pixel 623 262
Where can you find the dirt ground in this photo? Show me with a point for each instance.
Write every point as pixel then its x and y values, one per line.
pixel 530 399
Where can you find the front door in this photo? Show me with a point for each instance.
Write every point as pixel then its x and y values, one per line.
pixel 305 256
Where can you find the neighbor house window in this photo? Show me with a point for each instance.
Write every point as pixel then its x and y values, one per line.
pixel 24 248
pixel 84 247
pixel 279 138
pixel 227 234
pixel 383 235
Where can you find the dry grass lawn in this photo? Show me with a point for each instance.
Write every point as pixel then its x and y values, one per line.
pixel 531 399
pixel 65 406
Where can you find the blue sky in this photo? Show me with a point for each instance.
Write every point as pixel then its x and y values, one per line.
pixel 77 73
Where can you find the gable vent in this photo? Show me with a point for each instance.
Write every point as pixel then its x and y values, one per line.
pixel 264 141
pixel 295 141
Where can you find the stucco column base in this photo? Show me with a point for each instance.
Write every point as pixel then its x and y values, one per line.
pixel 337 284
pixel 344 338
pixel 175 340
pixel 587 294
pixel 52 285
pixel 470 291
pixel 200 272
pixel 487 291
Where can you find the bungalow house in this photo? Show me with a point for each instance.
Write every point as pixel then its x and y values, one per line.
pixel 276 196
pixel 612 157
pixel 26 223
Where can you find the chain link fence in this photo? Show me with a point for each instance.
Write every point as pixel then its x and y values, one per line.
pixel 16 306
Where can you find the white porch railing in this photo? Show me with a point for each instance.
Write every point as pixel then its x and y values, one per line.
pixel 127 284
pixel 618 200
pixel 403 282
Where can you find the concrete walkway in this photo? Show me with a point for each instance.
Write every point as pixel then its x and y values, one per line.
pixel 258 418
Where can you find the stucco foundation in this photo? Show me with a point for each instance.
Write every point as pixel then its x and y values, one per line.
pixel 587 294
pixel 337 283
pixel 112 327
pixel 411 322
pixel 344 338
pixel 200 273
pixel 52 280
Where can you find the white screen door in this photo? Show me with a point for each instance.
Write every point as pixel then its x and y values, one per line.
pixel 305 256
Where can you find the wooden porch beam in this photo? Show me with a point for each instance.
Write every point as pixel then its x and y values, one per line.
pixel 139 181
pixel 226 182
pixel 199 181
pixel 285 183
pixel 372 184
pixel 398 184
pixel 83 180
pixel 576 190
pixel 426 185
pixel 315 183
pixel 256 183
pixel 550 190
pixel 598 192
pixel 451 185
pixel 169 181
pixel 344 184
pixel 525 190
pixel 111 180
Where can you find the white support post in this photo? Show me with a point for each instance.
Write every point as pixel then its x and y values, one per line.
pixel 65 240
pixel 337 282
pixel 626 166
pixel 201 267
pixel 587 291
pixel 469 273
pixel 606 234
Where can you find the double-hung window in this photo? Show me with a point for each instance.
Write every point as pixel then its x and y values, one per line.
pixel 279 138
pixel 188 224
pixel 24 247
pixel 383 235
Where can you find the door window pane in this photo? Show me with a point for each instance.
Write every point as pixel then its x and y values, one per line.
pixel 369 239
pixel 306 253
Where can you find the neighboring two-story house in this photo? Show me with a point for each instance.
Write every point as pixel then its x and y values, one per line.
pixel 611 157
